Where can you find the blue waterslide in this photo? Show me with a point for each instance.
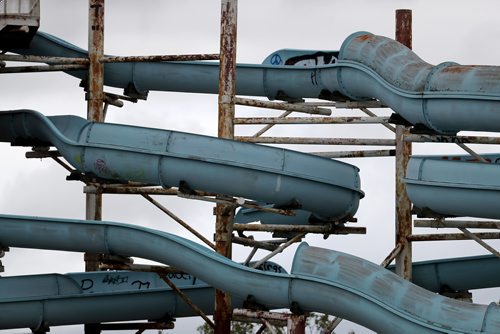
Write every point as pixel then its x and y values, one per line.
pixel 93 297
pixel 457 274
pixel 446 98
pixel 454 186
pixel 321 280
pixel 39 301
pixel 326 188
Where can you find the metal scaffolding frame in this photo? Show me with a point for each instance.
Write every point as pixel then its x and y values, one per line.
pixel 319 113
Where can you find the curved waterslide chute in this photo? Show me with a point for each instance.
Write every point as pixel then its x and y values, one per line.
pixel 457 274
pixel 95 297
pixel 446 98
pixel 321 280
pixel 37 301
pixel 454 186
pixel 327 188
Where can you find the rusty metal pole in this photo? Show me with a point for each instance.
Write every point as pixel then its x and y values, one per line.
pixel 296 324
pixel 227 88
pixel 95 101
pixel 95 80
pixel 95 112
pixel 403 152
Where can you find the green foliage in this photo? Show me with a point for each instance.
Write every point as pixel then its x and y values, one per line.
pixel 238 328
pixel 316 322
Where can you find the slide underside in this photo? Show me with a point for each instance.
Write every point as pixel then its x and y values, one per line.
pixel 321 280
pixel 446 98
pixel 323 187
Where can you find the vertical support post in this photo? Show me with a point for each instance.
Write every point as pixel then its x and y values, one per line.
pixel 95 102
pixel 95 80
pixel 93 211
pixel 403 152
pixel 227 88
pixel 296 324
pixel 95 112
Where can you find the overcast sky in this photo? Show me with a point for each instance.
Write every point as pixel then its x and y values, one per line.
pixel 462 31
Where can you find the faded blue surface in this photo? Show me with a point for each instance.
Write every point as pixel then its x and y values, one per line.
pixel 102 296
pixel 446 98
pixel 321 280
pixel 328 188
pixel 454 187
pixel 457 274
